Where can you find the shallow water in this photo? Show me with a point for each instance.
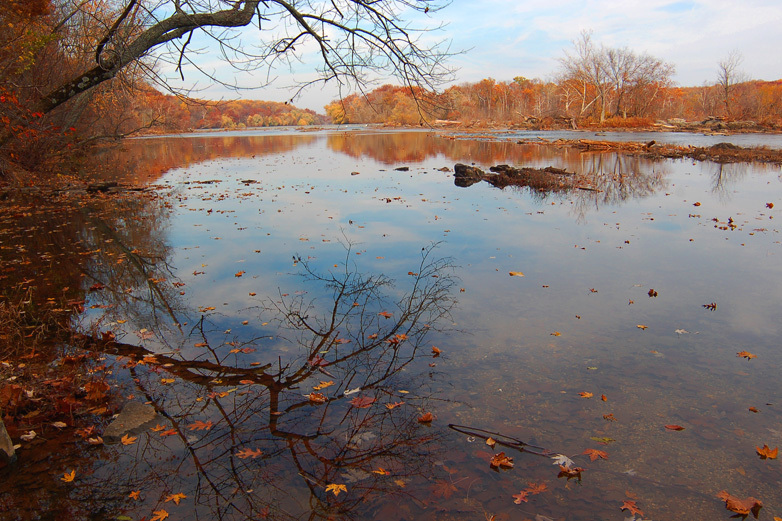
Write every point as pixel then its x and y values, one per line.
pixel 267 261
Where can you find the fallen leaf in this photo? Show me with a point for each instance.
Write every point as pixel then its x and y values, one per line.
pixel 491 442
pixel 426 418
pixel 570 473
pixel 642 327
pixel 385 314
pixel 674 427
pixel 562 460
pixel 585 394
pixel 743 507
pixel 501 461
pixel 745 354
pixel 68 476
pixel 603 397
pixel 317 398
pixel 766 452
pixel 135 495
pixel 435 352
pixel 603 440
pixel 239 273
pixel 394 405
pixel 381 471
pixel 249 453
pixel 632 508
pixel 157 428
pixel 336 489
pixel 169 432
pixel 536 488
pixel 201 426
pixel 520 498
pixel 609 417
pixel 159 515
pixel 556 333
pixel 595 454
pixel 176 498
pixel 362 402
pixel 754 409
pixel 323 385
pixel 516 274
pixel 128 439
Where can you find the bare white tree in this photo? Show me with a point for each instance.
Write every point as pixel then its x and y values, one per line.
pixel 729 75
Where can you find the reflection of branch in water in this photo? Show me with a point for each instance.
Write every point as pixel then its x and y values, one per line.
pixel 725 175
pixel 296 446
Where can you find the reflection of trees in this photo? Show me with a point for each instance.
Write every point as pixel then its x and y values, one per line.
pixel 617 178
pixel 140 161
pixel 373 449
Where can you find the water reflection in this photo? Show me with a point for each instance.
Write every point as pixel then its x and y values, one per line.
pixel 245 440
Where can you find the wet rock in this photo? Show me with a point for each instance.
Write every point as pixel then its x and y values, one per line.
pixel 134 416
pixel 465 175
pixel 402 169
pixel 7 452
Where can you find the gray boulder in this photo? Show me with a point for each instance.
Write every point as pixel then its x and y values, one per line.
pixel 134 417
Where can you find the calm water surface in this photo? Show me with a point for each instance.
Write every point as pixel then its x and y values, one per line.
pixel 272 264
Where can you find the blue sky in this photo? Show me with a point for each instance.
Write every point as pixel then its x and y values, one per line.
pixel 502 39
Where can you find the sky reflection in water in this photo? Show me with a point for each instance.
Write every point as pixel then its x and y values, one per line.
pixel 516 351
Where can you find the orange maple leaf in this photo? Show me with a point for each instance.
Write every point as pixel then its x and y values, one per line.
pixel 128 439
pixel 169 432
pixel 632 508
pixel 520 498
pixel 394 405
pixel 594 454
pixel 385 314
pixel 500 460
pixel 317 398
pixel 68 476
pixel 767 452
pixel 176 498
pixel 336 489
pixel 743 507
pixel 745 354
pixel 135 494
pixel 570 473
pixel 159 515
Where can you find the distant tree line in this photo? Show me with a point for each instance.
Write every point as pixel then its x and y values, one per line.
pixel 595 85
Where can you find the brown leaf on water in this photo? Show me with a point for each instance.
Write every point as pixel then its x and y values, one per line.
pixel 135 495
pixel 745 354
pixel 239 273
pixel 435 352
pixel 317 398
pixel 201 426
pixel 753 409
pixel 362 402
pixel 631 507
pixel 491 442
pixel 743 507
pixel 585 394
pixel 570 473
pixel 609 417
pixel 323 385
pixel 336 488
pixel 391 406
pixel 595 454
pixel 516 274
pixel 766 452
pixel 520 498
pixel 426 418
pixel 249 453
pixel 536 488
pixel 603 397
pixel 443 489
pixel 674 427
pixel 642 327
pixel 501 461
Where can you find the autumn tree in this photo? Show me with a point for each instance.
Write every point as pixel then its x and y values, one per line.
pixel 355 41
pixel 729 76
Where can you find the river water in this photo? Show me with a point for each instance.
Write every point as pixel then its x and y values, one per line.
pixel 305 306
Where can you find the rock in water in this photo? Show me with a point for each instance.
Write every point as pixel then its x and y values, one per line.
pixel 7 452
pixel 133 416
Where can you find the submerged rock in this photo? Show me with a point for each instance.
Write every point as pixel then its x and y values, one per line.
pixel 466 175
pixel 134 415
